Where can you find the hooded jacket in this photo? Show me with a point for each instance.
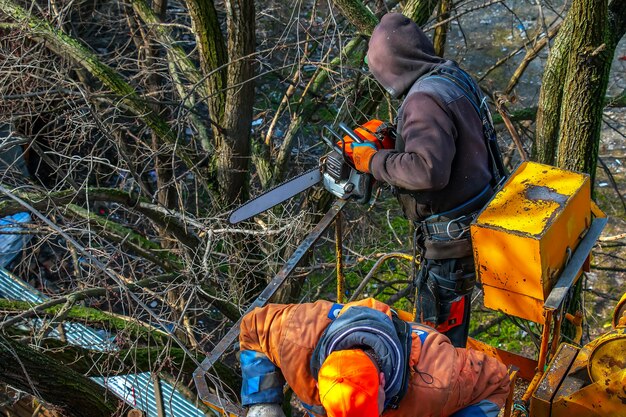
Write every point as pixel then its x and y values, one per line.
pixel 289 343
pixel 440 159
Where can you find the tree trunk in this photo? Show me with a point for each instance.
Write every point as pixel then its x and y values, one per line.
pixel 419 10
pixel 212 53
pixel 229 69
pixel 234 145
pixel 360 16
pixel 550 96
pixel 588 69
pixel 50 380
pixel 441 32
pixel 575 77
pixel 617 21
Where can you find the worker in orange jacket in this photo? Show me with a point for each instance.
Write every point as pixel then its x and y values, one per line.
pixel 362 360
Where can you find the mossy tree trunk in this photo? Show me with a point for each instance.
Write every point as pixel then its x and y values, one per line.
pixel 586 80
pixel 419 10
pixel 228 66
pixel 38 374
pixel 441 32
pixel 569 114
pixel 550 96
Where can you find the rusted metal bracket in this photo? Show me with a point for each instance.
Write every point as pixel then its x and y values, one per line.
pixel 282 275
pixel 570 273
pixel 224 407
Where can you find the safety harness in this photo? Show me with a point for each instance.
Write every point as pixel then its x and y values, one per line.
pixel 470 90
pixel 454 224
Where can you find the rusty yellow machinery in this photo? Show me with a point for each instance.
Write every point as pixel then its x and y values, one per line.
pixel 532 242
pixel 585 382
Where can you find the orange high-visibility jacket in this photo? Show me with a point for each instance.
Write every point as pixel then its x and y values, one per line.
pixel 443 379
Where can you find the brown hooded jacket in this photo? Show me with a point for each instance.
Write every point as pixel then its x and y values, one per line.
pixel 440 159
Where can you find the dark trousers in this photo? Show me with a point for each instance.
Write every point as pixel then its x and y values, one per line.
pixel 444 291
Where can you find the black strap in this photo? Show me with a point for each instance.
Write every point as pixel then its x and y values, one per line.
pixel 470 90
pixel 449 230
pixel 454 224
pixel 404 334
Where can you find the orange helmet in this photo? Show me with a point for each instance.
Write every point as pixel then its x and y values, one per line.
pixel 348 384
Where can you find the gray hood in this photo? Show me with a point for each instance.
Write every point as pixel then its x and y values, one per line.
pixel 362 327
pixel 399 53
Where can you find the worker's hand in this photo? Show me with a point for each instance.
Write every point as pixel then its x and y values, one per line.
pixel 362 154
pixel 265 410
pixel 374 131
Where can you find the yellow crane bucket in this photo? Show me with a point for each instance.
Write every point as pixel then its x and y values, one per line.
pixel 522 239
pixel 608 356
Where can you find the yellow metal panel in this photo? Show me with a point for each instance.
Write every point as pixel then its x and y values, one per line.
pixel 506 260
pixel 522 239
pixel 514 304
pixel 563 236
pixel 541 400
pixel 531 198
pixel 608 356
pixel 620 310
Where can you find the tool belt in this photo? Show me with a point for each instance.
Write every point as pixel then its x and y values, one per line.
pixel 460 282
pixel 448 230
pixel 454 224
pixel 449 275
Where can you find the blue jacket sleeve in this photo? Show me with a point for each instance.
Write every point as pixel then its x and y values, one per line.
pixel 262 380
pixel 484 408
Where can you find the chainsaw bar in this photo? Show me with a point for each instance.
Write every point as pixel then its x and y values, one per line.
pixel 276 195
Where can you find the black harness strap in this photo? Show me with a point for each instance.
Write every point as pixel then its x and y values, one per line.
pixel 470 90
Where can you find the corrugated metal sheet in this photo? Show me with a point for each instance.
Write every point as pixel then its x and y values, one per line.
pixel 13 288
pixel 138 391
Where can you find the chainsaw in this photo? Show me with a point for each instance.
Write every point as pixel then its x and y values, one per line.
pixel 335 172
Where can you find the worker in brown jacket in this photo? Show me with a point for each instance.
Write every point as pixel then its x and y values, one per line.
pixel 362 360
pixel 443 169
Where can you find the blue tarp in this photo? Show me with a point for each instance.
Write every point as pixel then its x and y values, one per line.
pixel 12 244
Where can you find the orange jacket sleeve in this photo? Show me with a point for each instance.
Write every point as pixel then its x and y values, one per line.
pixel 262 328
pixel 287 335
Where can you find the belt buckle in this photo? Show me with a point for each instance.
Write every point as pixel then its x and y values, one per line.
pixel 461 228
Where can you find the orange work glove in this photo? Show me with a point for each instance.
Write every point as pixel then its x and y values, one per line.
pixel 362 154
pixel 369 132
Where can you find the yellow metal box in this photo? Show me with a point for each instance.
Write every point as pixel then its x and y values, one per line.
pixel 524 236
